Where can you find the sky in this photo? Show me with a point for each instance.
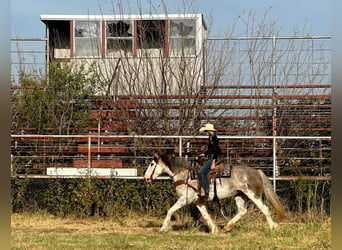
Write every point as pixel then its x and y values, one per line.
pixel 315 14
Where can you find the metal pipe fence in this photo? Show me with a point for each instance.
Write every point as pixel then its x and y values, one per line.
pixel 28 57
pixel 280 157
pixel 126 156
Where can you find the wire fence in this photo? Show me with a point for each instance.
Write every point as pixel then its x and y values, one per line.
pixel 28 57
pixel 294 73
pixel 124 156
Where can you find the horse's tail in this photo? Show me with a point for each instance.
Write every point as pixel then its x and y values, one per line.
pixel 272 196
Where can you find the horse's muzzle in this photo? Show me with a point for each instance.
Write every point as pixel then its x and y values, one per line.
pixel 148 179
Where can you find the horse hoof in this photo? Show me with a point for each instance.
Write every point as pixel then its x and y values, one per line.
pixel 163 229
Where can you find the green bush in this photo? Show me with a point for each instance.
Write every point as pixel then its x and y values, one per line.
pixel 91 197
pixel 84 197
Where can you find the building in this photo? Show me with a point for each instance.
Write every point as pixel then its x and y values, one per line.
pixel 130 49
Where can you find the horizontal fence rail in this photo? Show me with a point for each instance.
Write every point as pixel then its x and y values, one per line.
pixel 287 93
pixel 127 156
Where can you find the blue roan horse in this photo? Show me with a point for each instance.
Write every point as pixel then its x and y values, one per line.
pixel 244 182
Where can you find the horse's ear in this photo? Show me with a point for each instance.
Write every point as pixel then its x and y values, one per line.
pixel 156 157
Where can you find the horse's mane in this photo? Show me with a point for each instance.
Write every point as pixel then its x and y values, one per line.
pixel 174 162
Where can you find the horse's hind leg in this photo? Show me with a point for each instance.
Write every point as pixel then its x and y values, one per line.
pixel 202 208
pixel 263 208
pixel 242 210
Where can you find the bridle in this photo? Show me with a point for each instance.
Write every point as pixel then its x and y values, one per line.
pixel 154 169
pixel 176 183
pixel 175 174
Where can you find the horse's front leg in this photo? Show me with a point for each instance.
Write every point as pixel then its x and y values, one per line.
pixel 181 202
pixel 203 209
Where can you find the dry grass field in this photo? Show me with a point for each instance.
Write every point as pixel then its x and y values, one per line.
pixel 42 231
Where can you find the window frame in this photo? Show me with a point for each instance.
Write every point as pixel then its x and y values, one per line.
pixel 119 37
pixel 153 27
pixel 183 39
pixel 96 49
pixel 101 38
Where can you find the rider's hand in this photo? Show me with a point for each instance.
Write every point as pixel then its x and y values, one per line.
pixel 212 166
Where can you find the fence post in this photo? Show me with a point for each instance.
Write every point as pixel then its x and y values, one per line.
pixel 274 148
pixel 89 155
pixel 180 146
pixel 11 164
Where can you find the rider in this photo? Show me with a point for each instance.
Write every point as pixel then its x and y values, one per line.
pixel 212 153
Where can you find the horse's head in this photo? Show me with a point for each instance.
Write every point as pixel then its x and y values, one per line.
pixel 156 168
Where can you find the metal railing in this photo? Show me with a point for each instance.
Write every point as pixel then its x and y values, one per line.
pixel 280 157
pixel 28 57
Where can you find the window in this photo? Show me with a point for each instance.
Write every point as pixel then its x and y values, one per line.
pixel 126 36
pixel 59 40
pixel 151 34
pixel 183 37
pixel 59 34
pixel 87 39
pixel 119 37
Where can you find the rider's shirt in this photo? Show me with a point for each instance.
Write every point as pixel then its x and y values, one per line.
pixel 213 147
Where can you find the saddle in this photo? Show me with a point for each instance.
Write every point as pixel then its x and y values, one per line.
pixel 221 170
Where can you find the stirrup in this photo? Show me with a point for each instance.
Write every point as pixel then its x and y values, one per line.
pixel 201 195
pixel 202 199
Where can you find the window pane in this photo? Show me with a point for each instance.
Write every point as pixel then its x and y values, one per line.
pixel 87 47
pixel 182 46
pixel 183 28
pixel 119 29
pixel 114 45
pixel 87 29
pixel 151 34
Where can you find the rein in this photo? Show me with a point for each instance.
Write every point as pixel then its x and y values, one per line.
pixel 182 182
pixel 154 169
pixel 179 182
pixel 175 174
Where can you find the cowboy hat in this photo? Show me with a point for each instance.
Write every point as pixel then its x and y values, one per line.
pixel 208 127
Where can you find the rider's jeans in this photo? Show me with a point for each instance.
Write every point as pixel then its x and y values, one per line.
pixel 203 174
